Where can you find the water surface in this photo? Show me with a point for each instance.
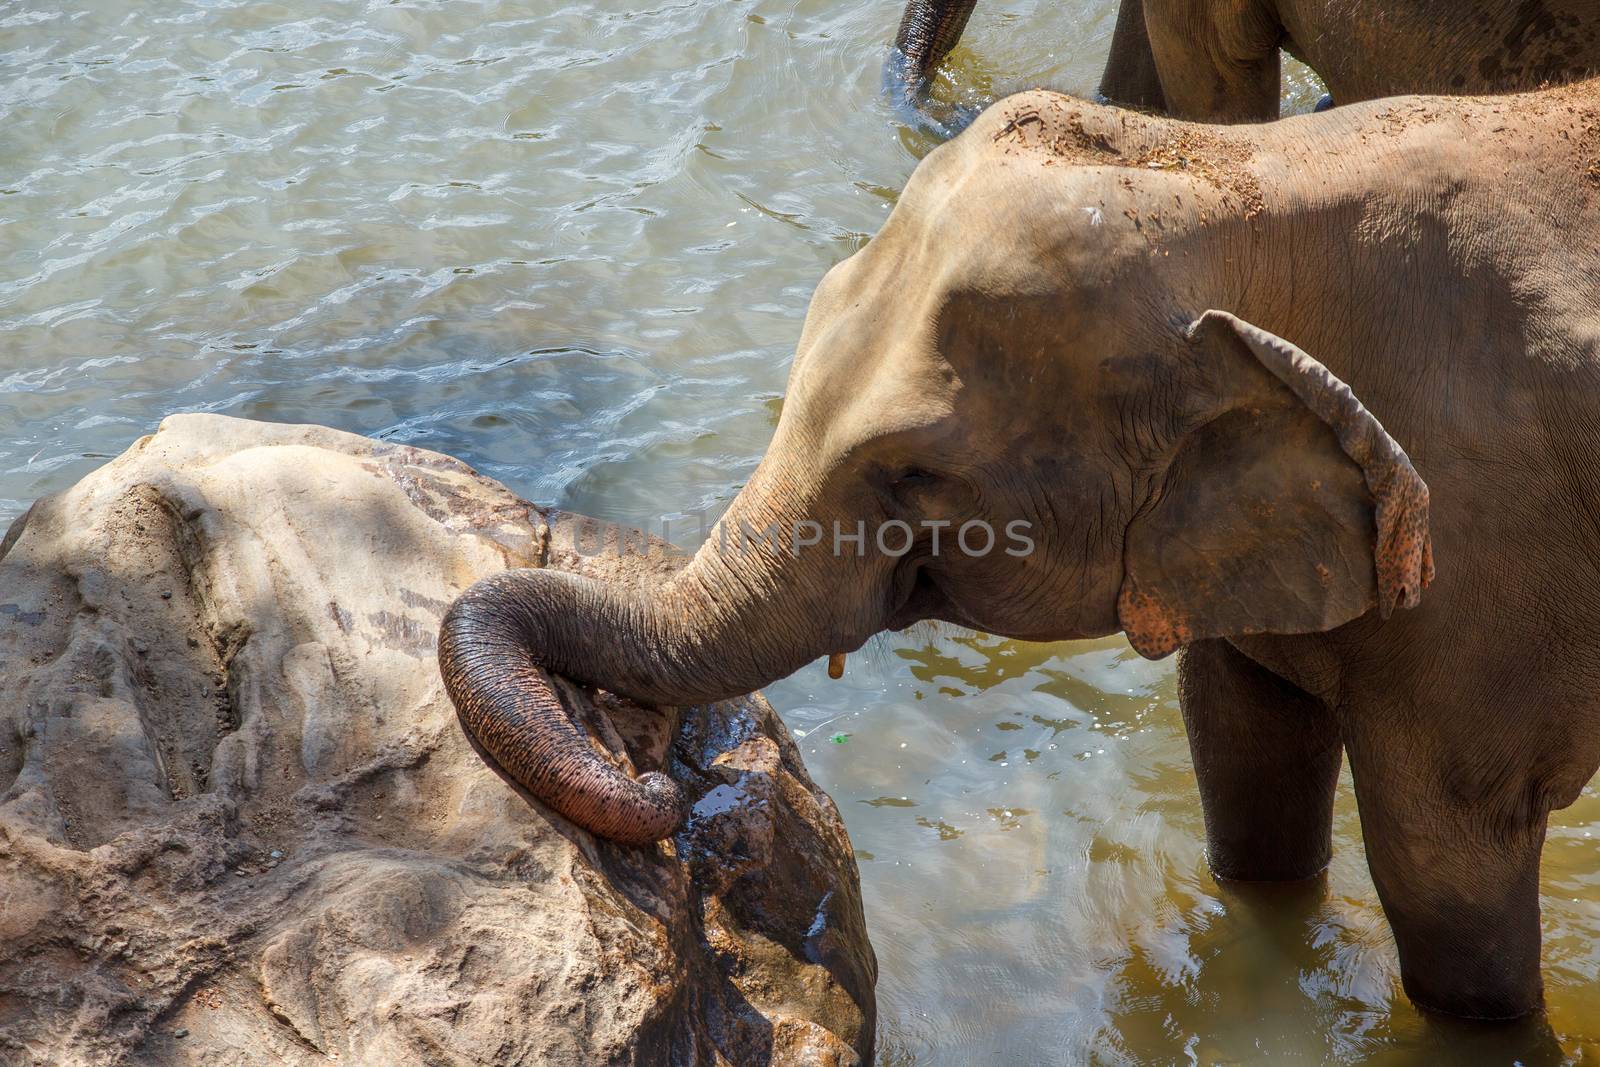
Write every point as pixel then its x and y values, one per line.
pixel 573 245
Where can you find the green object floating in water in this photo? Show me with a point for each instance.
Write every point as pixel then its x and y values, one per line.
pixel 839 739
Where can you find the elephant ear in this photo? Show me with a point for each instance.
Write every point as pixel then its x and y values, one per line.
pixel 1287 509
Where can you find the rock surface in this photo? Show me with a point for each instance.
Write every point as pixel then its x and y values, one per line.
pixel 240 825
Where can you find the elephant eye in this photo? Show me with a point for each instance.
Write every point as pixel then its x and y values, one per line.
pixel 912 479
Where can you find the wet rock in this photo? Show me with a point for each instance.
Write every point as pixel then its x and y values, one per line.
pixel 239 823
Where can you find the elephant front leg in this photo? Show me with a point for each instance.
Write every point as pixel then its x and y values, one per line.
pixel 1217 62
pixel 1458 876
pixel 1266 755
pixel 1131 78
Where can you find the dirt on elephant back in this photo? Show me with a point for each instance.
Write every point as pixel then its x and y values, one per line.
pixel 1573 109
pixel 1055 124
pixel 1578 111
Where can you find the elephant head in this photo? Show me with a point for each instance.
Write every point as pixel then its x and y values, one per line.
pixel 999 356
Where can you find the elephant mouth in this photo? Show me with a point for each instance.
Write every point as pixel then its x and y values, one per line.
pixel 921 597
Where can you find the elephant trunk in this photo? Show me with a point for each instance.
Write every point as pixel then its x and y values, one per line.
pixel 728 623
pixel 928 31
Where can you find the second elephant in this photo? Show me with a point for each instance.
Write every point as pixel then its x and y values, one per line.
pixel 1218 60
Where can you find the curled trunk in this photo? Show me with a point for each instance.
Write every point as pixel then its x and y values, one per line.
pixel 723 626
pixel 494 650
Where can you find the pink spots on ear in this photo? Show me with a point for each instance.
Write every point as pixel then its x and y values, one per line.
pixel 1404 552
pixel 1154 629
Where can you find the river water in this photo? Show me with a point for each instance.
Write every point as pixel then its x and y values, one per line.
pixel 573 245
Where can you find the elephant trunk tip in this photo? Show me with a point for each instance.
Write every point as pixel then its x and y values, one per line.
pixel 654 808
pixel 904 79
pixel 493 649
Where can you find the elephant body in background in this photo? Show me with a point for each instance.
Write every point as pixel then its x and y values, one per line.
pixel 1243 386
pixel 1217 61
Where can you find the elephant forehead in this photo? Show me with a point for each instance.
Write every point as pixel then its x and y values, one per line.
pixel 902 403
pixel 870 333
pixel 1058 242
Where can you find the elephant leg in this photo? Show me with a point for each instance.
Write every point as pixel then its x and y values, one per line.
pixel 1217 62
pixel 1458 876
pixel 1131 78
pixel 1266 755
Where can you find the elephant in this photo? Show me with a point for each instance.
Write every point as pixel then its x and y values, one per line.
pixel 1215 61
pixel 1237 388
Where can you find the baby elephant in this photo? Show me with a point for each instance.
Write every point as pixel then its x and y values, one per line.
pixel 1242 387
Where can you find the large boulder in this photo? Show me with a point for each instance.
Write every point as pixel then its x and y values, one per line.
pixel 239 823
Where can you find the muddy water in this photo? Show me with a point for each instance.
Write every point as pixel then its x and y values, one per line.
pixel 573 245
